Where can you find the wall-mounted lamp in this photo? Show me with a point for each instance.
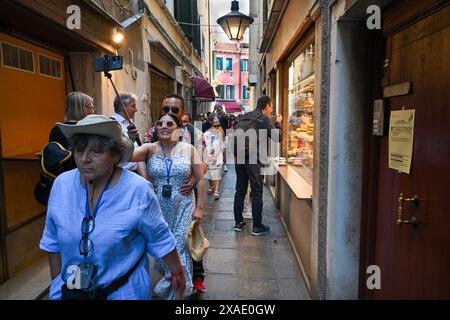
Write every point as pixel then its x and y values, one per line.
pixel 118 37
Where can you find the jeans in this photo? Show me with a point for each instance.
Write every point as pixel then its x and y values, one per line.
pixel 198 270
pixel 244 173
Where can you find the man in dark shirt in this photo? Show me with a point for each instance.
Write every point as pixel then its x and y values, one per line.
pixel 246 169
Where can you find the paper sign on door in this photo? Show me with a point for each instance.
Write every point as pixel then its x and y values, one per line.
pixel 401 139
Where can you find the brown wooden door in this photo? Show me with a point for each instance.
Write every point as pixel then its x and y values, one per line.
pixel 161 86
pixel 415 262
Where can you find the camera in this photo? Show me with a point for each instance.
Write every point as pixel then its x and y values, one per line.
pixel 108 63
pixel 167 191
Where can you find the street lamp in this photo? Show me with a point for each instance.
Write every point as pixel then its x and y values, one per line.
pixel 118 37
pixel 235 23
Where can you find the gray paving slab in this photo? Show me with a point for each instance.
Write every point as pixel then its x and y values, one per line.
pixel 221 287
pixel 242 266
pixel 253 288
pixel 257 254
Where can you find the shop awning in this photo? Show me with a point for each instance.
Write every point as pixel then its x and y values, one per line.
pixel 203 91
pixel 231 106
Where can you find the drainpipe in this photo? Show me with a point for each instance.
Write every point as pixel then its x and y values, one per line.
pixel 209 41
pixel 240 80
pixel 210 52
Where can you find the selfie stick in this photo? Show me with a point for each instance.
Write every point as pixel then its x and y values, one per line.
pixel 132 125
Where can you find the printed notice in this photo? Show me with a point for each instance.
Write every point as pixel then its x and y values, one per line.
pixel 401 138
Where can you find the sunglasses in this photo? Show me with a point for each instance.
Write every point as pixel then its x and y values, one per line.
pixel 86 244
pixel 216 125
pixel 169 124
pixel 170 109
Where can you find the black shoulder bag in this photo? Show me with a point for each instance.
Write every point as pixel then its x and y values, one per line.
pixel 99 293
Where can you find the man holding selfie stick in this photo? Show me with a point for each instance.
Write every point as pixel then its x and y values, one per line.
pixel 124 109
pixel 124 106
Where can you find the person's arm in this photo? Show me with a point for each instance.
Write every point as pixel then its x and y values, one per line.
pixel 142 170
pixel 201 185
pixel 188 184
pixel 54 260
pixel 142 153
pixel 202 154
pixel 269 127
pixel 172 259
pixel 141 156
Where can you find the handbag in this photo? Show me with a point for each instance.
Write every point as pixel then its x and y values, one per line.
pixel 99 293
pixel 196 241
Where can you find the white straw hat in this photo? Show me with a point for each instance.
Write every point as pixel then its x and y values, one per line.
pixel 101 125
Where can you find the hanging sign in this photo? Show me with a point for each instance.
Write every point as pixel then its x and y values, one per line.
pixel 401 138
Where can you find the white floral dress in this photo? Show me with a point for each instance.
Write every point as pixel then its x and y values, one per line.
pixel 214 154
pixel 177 211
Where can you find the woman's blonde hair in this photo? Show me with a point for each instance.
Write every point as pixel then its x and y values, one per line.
pixel 74 106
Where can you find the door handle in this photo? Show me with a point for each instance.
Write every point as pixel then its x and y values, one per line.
pixel 414 200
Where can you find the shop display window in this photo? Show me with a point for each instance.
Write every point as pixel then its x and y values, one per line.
pixel 301 113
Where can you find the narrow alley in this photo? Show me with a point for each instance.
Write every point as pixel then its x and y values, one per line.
pixel 346 100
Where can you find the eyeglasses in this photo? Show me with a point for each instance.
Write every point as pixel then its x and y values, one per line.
pixel 86 245
pixel 171 109
pixel 216 125
pixel 169 124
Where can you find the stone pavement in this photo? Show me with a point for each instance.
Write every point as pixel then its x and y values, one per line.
pixel 241 266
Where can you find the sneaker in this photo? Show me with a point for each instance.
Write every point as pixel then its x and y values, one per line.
pixel 257 231
pixel 216 195
pixel 199 286
pixel 225 168
pixel 239 226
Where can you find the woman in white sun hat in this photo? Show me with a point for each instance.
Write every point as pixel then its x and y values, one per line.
pixel 102 221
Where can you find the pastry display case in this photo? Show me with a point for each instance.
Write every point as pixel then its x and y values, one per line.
pixel 300 143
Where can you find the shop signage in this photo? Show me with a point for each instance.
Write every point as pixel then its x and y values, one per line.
pixel 399 89
pixel 401 139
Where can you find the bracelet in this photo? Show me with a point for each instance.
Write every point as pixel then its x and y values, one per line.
pixel 176 275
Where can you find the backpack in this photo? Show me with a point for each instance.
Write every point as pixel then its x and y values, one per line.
pixel 244 124
pixel 55 159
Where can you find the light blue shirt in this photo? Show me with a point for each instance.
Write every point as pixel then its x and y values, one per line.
pixel 129 221
pixel 124 124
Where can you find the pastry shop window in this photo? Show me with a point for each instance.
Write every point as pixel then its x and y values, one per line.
pixel 300 133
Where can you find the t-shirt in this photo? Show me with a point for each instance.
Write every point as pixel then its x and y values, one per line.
pixel 129 221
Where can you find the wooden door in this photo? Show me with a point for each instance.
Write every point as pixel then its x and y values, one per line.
pixel 161 86
pixel 415 261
